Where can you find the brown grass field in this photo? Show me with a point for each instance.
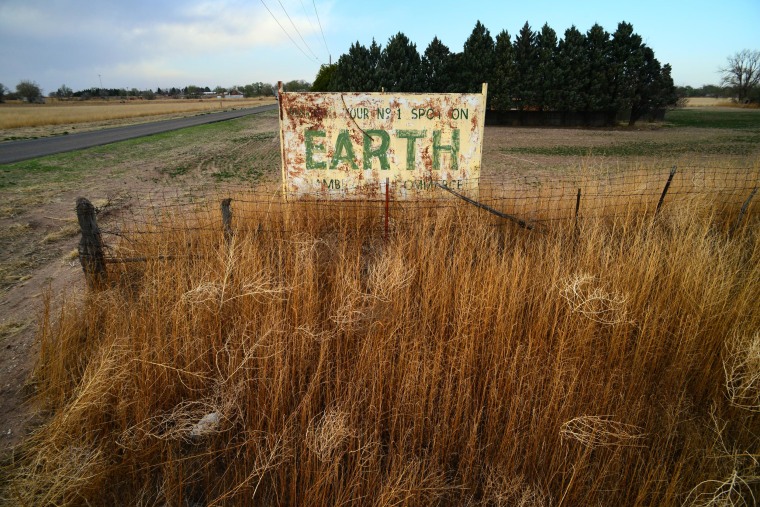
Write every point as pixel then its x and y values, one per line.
pixel 708 102
pixel 457 363
pixel 612 360
pixel 71 113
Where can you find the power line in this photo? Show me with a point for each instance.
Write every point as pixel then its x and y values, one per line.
pixel 314 2
pixel 305 13
pixel 283 29
pixel 296 29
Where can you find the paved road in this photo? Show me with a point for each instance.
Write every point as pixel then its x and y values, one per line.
pixel 15 151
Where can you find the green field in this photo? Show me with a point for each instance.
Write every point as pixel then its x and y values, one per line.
pixel 688 132
pixel 715 118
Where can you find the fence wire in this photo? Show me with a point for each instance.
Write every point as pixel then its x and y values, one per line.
pixel 540 198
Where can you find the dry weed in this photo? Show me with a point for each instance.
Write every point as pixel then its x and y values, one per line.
pixel 601 431
pixel 502 489
pixel 742 368
pixel 309 361
pixel 734 491
pixel 586 295
pixel 327 436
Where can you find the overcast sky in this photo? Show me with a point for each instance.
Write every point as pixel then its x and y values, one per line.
pixel 156 43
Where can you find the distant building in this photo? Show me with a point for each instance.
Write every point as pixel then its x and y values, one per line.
pixel 234 94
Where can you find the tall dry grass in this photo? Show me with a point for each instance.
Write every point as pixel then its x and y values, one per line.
pixel 459 362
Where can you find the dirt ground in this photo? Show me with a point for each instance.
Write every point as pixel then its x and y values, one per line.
pixel 46 239
pixel 39 234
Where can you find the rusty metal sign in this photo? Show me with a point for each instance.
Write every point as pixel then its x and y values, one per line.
pixel 347 145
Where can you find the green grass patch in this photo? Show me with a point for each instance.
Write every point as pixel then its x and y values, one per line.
pixel 53 169
pixel 735 146
pixel 739 119
pixel 173 153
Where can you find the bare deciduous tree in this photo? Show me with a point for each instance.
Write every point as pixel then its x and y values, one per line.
pixel 742 72
pixel 29 90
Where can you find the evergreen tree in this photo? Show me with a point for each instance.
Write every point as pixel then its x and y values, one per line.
pixel 437 67
pixel 456 72
pixel 626 60
pixel 400 65
pixel 477 62
pixel 572 72
pixel 323 82
pixel 501 89
pixel 547 90
pixel 357 70
pixel 652 87
pixel 526 68
pixel 375 51
pixel 598 56
pixel 594 71
pixel 667 95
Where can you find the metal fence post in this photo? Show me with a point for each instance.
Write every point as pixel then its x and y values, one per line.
pixel 387 202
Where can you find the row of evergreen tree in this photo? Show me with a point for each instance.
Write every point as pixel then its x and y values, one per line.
pixel 595 71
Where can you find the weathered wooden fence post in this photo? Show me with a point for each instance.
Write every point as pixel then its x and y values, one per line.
pixel 227 219
pixel 742 211
pixel 90 245
pixel 577 209
pixel 665 190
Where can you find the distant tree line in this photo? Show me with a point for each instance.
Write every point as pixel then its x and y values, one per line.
pixel 740 80
pixel 31 92
pixel 26 90
pixel 707 90
pixel 190 91
pixel 592 71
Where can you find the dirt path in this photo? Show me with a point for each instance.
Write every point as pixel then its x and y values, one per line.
pixel 21 308
pixel 49 240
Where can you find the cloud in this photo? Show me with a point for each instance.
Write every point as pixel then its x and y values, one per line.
pixel 72 41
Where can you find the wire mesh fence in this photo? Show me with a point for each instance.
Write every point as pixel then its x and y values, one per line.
pixel 536 200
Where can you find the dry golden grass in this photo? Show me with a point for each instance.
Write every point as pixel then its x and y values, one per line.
pixel 64 113
pixel 459 362
pixel 709 102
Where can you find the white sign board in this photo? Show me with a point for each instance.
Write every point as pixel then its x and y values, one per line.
pixel 346 145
